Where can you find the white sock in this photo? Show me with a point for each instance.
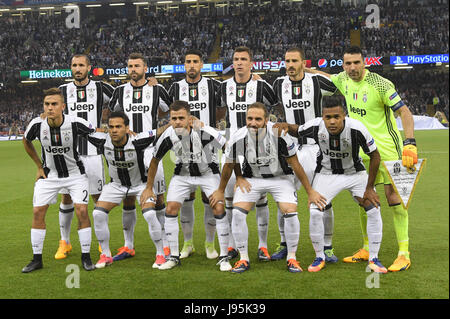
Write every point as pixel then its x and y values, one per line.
pixel 374 231
pixel 187 219
pixel 240 232
pixel 129 223
pixel 316 231
pixel 65 220
pixel 223 233
pixel 160 214
pixel 328 224
pixel 85 236
pixel 172 232
pixel 154 228
pixel 229 211
pixel 37 240
pixel 262 220
pixel 102 230
pixel 292 231
pixel 210 223
pixel 280 220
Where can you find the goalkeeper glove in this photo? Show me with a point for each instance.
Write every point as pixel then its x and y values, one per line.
pixel 409 155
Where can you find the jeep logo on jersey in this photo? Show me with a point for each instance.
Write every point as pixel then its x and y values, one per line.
pixel 238 107
pixel 298 104
pixel 336 154
pixel 57 149
pixel 358 111
pixel 193 92
pixel 122 164
pixel 137 108
pixel 264 161
pixel 82 107
pixel 197 106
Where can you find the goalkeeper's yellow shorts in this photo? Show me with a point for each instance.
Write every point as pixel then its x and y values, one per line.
pixel 382 175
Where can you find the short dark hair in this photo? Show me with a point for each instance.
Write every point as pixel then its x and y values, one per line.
pixel 53 91
pixel 120 114
pixel 80 55
pixel 194 52
pixel 178 105
pixel 244 49
pixel 259 105
pixel 354 49
pixel 299 50
pixel 137 55
pixel 332 101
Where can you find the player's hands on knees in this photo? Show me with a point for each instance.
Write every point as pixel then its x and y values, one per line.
pixel 371 197
pixel 40 174
pixel 216 198
pixel 152 81
pixel 243 184
pixel 146 195
pixel 317 199
pixel 280 129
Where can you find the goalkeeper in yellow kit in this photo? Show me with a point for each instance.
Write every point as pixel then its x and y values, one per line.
pixel 373 100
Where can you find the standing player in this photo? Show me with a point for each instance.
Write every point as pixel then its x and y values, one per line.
pixel 267 164
pixel 373 100
pixel 60 167
pixel 196 165
pixel 125 157
pixel 13 130
pixel 237 93
pixel 141 103
pixel 201 94
pixel 340 167
pixel 86 99
pixel 301 95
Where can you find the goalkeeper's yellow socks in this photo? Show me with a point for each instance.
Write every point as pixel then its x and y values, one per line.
pixel 400 215
pixel 363 222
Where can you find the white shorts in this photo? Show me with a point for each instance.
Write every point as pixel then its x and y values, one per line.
pixel 115 193
pixel 307 157
pixel 93 165
pixel 46 190
pixel 181 187
pixel 159 185
pixel 281 187
pixel 329 186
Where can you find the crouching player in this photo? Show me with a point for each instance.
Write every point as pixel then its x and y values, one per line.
pixel 124 154
pixel 339 167
pixel 61 167
pixel 196 166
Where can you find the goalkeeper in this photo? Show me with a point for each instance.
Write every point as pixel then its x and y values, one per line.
pixel 372 100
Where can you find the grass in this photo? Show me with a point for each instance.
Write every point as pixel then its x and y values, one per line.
pixel 199 278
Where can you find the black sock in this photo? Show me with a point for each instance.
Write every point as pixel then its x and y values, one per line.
pixel 37 257
pixel 327 247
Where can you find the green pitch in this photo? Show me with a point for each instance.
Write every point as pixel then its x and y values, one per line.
pixel 198 277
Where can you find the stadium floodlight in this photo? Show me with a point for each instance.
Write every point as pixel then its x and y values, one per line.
pixel 403 67
pixel 163 2
pixel 93 5
pixel 29 81
pixel 23 9
pixel 2 10
pixel 46 8
pixel 188 0
pixel 140 3
pixel 116 4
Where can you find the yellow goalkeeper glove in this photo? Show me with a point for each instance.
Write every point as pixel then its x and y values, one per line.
pixel 409 155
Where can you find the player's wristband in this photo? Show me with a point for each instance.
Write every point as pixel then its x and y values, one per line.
pixel 409 141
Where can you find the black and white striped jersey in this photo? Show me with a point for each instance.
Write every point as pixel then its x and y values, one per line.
pixel 87 102
pixel 237 96
pixel 141 104
pixel 59 145
pixel 302 100
pixel 339 154
pixel 195 153
pixel 126 163
pixel 202 97
pixel 262 157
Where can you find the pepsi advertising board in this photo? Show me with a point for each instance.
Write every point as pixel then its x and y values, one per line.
pixel 419 59
pixel 331 63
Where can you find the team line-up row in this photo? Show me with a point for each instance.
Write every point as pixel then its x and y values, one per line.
pixel 318 144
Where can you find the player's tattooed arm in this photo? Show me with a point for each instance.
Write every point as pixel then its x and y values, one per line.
pixel 161 129
pixel 31 151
